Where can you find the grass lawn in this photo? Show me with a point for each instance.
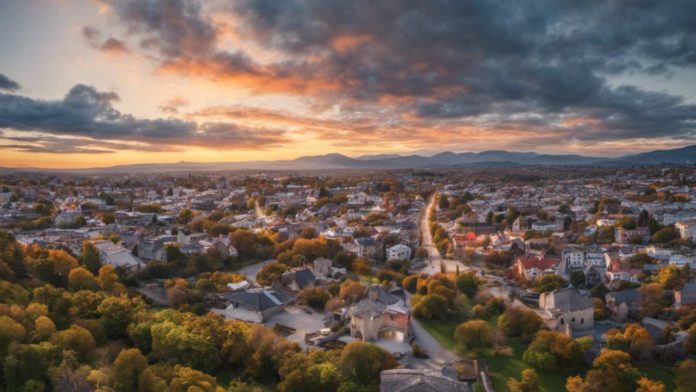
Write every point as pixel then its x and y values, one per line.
pixel 441 330
pixel 661 372
pixel 503 367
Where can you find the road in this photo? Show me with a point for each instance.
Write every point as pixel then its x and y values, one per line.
pixel 250 271
pixel 260 213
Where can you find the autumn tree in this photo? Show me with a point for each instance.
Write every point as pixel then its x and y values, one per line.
pixel 553 351
pixel 686 375
pixel 81 279
pixel 90 257
pixel 468 284
pixel 128 366
pixel 188 380
pixel 611 371
pixel 116 314
pixel 528 383
pixel 520 322
pixel 474 335
pixel 362 362
pixel 77 339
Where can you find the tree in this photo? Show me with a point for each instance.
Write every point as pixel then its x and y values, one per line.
pixel 77 339
pixel 108 280
pixel 90 257
pixel 550 283
pixel 29 362
pixel 351 291
pixel 185 216
pixel 474 335
pixel 116 314
pixel 520 322
pixel 308 232
pixel 10 331
pixel 432 306
pixel 640 343
pixel 653 299
pixel 553 351
pixel 611 371
pixel 81 279
pixel 686 375
pixel 315 297
pixel 44 327
pixel 128 366
pixel 528 383
pixel 362 362
pixel 443 203
pixel 188 380
pixel 270 272
pixel 663 236
pixel 648 385
pixel 468 284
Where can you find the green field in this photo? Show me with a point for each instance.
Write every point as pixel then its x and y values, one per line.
pixel 501 366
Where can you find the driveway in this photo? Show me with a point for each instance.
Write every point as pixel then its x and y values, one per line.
pixel 250 271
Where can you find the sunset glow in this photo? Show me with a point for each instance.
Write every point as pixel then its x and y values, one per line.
pixel 99 83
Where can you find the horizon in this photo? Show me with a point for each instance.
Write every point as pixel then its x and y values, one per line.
pixel 100 83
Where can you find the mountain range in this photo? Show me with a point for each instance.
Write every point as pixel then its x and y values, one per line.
pixel 495 158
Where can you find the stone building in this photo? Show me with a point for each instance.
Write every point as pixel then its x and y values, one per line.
pixel 380 315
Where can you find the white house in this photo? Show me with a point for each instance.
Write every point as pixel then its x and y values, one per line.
pixel 399 252
pixel 687 230
pixel 680 260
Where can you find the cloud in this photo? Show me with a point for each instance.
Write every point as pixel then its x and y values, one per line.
pixel 8 84
pixel 87 113
pixel 110 45
pixel 173 104
pixel 468 65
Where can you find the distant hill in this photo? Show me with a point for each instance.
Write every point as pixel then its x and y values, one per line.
pixel 496 158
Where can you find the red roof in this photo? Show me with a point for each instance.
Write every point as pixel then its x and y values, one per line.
pixel 535 262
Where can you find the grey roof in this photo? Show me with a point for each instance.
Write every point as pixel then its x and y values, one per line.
pixel 304 277
pixel 630 296
pixel 418 380
pixel 259 299
pixel 569 299
pixel 689 288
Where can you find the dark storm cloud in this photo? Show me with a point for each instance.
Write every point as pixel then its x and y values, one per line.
pixel 472 62
pixel 89 113
pixel 8 84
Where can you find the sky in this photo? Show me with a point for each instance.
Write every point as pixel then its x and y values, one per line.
pixel 87 83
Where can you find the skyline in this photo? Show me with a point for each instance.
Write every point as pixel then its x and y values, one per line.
pixel 102 83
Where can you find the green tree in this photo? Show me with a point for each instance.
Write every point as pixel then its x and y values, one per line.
pixel 27 362
pixel 553 351
pixel 467 284
pixel 90 257
pixel 432 306
pixel 77 339
pixel 128 366
pixel 666 235
pixel 190 380
pixel 528 383
pixel 362 362
pixel 81 279
pixel 520 322
pixel 474 335
pixel 686 375
pixel 116 314
pixel 10 331
pixel 550 283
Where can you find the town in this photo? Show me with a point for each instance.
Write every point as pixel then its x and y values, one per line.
pixel 520 279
